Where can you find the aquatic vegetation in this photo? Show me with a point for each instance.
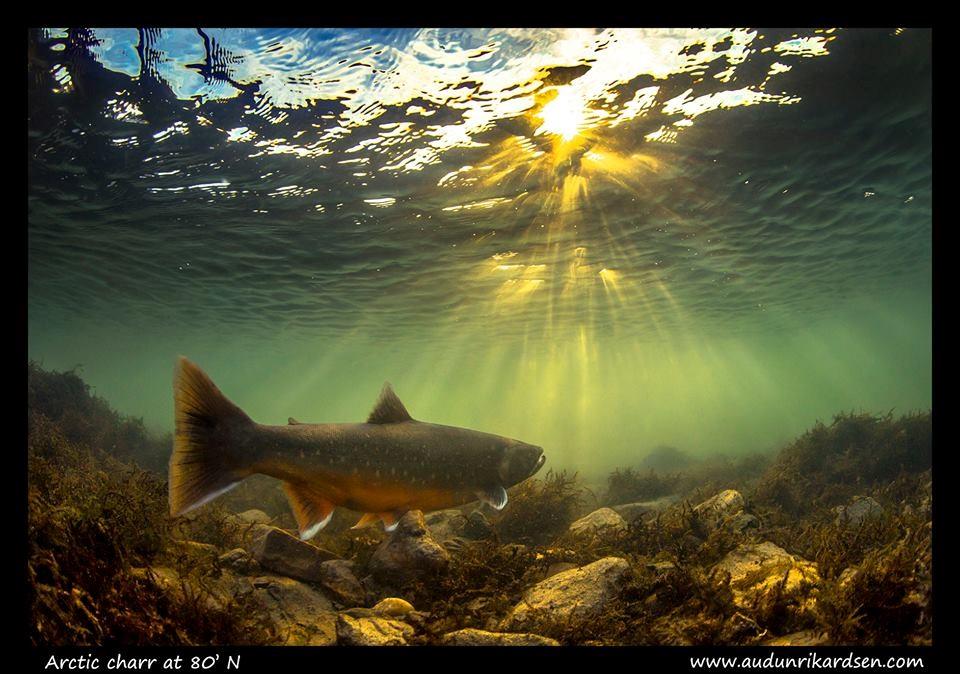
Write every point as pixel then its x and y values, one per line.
pixel 107 565
pixel 830 463
pixel 540 508
pixel 628 485
pixel 88 420
pixel 93 520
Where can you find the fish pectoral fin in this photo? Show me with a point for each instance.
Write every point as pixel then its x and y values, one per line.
pixel 367 518
pixel 311 510
pixel 495 497
pixel 390 520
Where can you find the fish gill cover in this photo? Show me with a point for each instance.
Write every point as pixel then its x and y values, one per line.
pixel 660 254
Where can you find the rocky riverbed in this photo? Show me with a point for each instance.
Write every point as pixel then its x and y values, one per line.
pixel 828 542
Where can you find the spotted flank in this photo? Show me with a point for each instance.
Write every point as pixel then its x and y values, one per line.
pixel 382 468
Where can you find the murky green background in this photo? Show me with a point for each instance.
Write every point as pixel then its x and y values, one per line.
pixel 595 241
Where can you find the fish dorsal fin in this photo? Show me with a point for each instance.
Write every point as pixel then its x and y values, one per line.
pixel 293 422
pixel 311 510
pixel 389 409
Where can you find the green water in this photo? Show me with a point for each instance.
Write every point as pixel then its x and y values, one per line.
pixel 702 247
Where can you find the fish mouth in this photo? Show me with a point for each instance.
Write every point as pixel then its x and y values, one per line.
pixel 542 460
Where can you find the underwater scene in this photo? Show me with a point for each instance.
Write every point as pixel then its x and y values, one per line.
pixel 479 337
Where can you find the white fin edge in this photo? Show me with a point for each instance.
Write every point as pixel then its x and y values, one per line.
pixel 314 529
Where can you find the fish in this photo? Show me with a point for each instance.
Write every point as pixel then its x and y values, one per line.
pixel 384 467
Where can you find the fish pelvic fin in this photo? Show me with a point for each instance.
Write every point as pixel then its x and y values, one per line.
pixel 202 465
pixel 311 510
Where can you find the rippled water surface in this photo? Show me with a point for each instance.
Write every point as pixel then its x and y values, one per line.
pixel 595 240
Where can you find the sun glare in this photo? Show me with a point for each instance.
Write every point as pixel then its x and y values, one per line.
pixel 565 115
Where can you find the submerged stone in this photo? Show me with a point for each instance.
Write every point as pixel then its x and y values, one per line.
pixel 409 553
pixel 393 607
pixel 763 573
pixel 445 524
pixel 338 579
pixel 302 616
pixel 570 596
pixel 604 521
pixel 371 630
pixel 861 509
pixel 282 553
pixel 720 508
pixel 475 637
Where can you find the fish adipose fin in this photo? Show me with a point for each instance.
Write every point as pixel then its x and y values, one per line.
pixel 312 511
pixel 495 497
pixel 202 465
pixel 389 409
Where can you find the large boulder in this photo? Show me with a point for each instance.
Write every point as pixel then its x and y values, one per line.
pixel 366 628
pixel 858 511
pixel 599 523
pixel 801 638
pixel 410 553
pixel 393 607
pixel 478 526
pixel 720 508
pixel 297 614
pixel 340 583
pixel 474 637
pixel 287 555
pixel 252 516
pixel 764 573
pixel 445 524
pixel 240 560
pixel 570 596
pixel 631 512
pixel 302 616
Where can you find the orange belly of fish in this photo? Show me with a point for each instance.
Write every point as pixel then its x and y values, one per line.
pixel 371 496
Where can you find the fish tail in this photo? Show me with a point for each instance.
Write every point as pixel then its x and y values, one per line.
pixel 203 464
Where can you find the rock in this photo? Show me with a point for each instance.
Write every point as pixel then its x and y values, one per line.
pixel 559 567
pixel 393 607
pixel 195 548
pixel 302 616
pixel 338 579
pixel 761 572
pixel 445 524
pixel 455 544
pixel 252 516
pixel 409 553
pixel 631 512
pixel 474 637
pixel 602 522
pixel 718 509
pixel 861 509
pixel 574 595
pixel 240 560
pixel 287 555
pixel 371 631
pixel 742 522
pixel 478 527
pixel 514 549
pixel 801 638
pixel 846 577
